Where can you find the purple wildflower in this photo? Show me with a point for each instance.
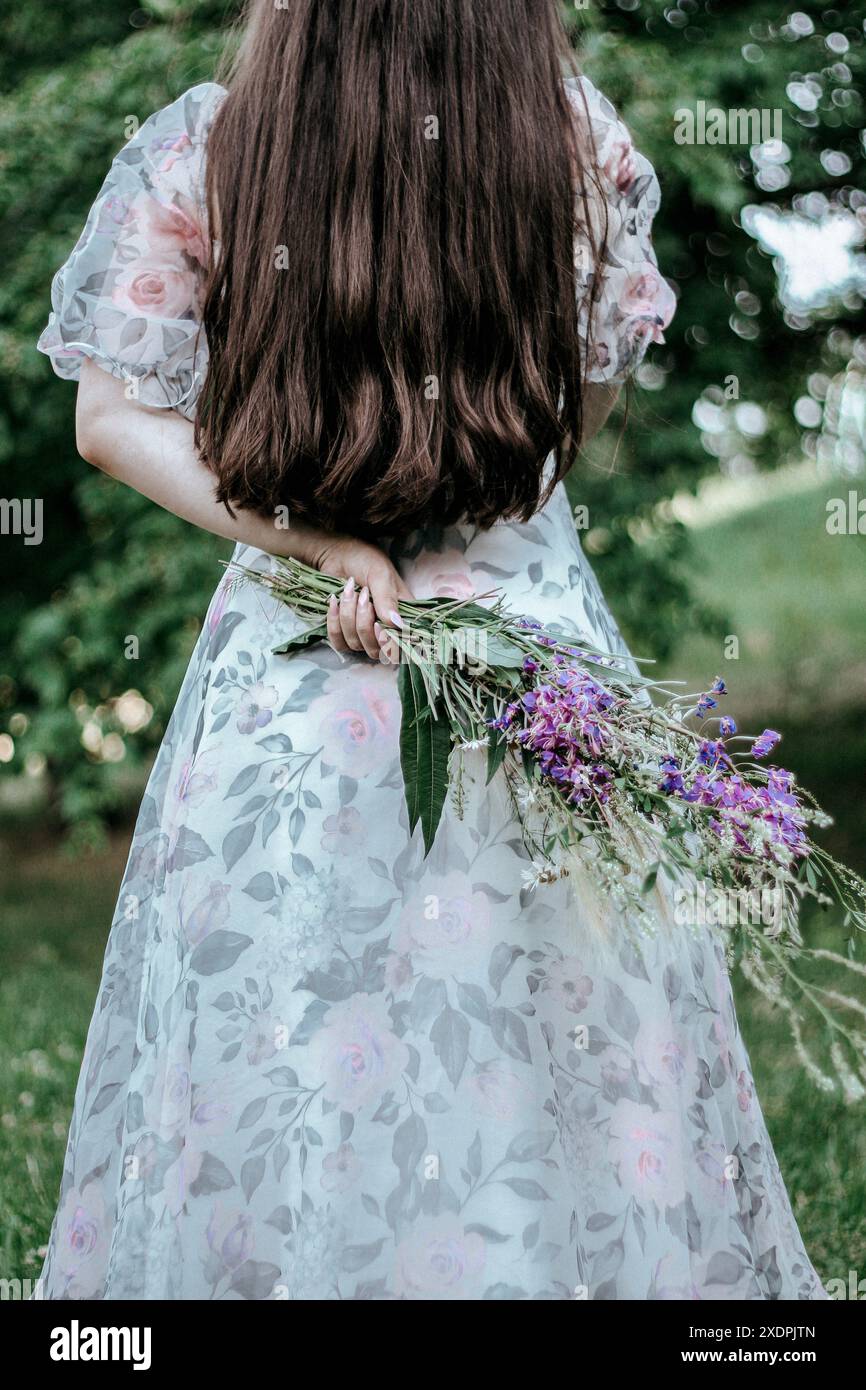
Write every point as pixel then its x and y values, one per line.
pixel 712 753
pixel 705 703
pixel 672 779
pixel 765 743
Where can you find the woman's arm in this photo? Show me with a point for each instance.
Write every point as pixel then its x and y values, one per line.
pixel 153 452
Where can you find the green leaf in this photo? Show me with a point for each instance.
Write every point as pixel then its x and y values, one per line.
pixel 496 750
pixel 498 651
pixel 303 639
pixel 650 881
pixel 472 610
pixel 425 747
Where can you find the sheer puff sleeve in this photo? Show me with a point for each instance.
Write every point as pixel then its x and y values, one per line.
pixel 625 303
pixel 129 295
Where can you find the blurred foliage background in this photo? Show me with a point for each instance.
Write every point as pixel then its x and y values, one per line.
pixel 707 504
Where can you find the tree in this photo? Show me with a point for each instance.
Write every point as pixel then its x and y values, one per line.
pixel 111 562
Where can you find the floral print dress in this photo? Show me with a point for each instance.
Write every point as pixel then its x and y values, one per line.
pixel 321 1065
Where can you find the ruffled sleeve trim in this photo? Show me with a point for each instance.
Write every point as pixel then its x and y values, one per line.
pixel 625 303
pixel 128 297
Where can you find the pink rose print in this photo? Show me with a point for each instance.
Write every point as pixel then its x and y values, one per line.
pixel 262 1039
pixel 210 913
pixel 230 1237
pixel 340 1169
pixel 662 1059
pixel 255 708
pixel 114 213
pixel 443 575
pixel 167 1102
pixel 744 1092
pixel 171 228
pixel 359 725
pixel 498 1091
pixel 649 302
pixel 645 1145
pixel 620 166
pixel 440 923
pixel 210 1112
pixel 344 832
pixel 156 289
pixel 175 147
pixel 82 1244
pixel 356 1053
pixel 197 780
pixel 150 860
pixel 440 1259
pixel 568 984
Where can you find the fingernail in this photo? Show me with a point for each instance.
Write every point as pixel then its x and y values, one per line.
pixel 332 603
pixel 364 595
pixel 349 587
pixel 378 633
pixel 395 618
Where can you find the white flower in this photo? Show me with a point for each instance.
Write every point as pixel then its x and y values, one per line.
pixel 306 925
pixel 473 743
pixel 315 1248
pixel 541 873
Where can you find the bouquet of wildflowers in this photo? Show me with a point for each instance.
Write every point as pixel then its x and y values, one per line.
pixel 651 791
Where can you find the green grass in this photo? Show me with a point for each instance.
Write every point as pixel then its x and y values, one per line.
pixel 795 600
pixel 820 1141
pixel 55 912
pixel 794 595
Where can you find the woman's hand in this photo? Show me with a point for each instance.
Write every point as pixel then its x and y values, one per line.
pixel 368 603
pixel 154 452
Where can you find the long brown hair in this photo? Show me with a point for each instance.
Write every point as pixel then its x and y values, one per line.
pixel 392 312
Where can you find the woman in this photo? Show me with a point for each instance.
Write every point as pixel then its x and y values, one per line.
pixel 360 308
